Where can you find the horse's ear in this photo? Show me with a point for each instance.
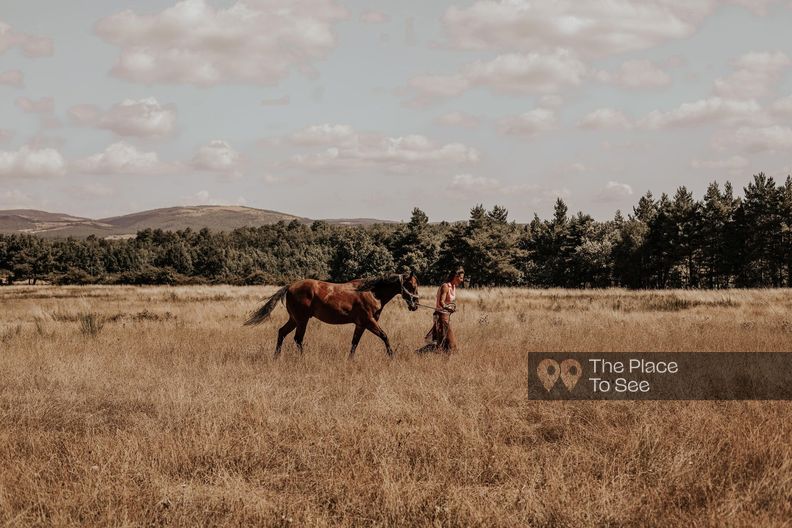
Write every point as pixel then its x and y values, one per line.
pixel 412 274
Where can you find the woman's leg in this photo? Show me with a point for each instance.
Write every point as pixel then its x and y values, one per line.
pixel 448 342
pixel 451 342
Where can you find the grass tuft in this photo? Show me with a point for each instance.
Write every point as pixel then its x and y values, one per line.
pixel 90 324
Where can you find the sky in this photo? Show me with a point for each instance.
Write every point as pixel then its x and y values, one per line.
pixel 329 109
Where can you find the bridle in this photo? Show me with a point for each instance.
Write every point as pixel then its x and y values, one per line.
pixel 415 297
pixel 407 293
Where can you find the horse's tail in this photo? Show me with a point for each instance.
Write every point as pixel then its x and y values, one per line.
pixel 262 313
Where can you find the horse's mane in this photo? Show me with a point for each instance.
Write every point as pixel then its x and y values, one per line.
pixel 371 283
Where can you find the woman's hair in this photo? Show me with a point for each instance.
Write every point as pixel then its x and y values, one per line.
pixel 454 273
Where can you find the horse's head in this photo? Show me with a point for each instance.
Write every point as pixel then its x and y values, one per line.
pixel 409 290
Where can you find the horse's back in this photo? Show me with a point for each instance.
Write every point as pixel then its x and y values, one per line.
pixel 331 302
pixel 314 288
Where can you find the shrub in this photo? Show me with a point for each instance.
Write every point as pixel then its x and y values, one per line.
pixel 74 276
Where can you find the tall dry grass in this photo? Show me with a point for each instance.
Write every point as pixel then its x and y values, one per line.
pixel 154 406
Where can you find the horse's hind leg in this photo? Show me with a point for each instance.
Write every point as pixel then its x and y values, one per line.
pixel 373 327
pixel 285 330
pixel 356 339
pixel 300 334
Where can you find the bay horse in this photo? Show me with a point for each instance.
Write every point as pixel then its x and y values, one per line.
pixel 359 302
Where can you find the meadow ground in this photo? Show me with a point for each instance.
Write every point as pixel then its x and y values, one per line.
pixel 126 406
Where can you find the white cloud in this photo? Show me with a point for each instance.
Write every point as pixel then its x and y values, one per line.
pixel 458 119
pixel 756 75
pixel 552 100
pixel 30 45
pixel 85 114
pixel 204 197
pixel 33 46
pixel 373 17
pixel 45 105
pixel 349 149
pixel 129 118
pixel 123 158
pixel 774 138
pixel 217 156
pixel 199 198
pixel 470 185
pixel 592 28
pixel 430 87
pixel 530 123
pixel 573 168
pixel 614 192
pixel 714 110
pixel 96 190
pixel 254 41
pixel 325 134
pixel 605 118
pixel 12 78
pixel 276 101
pixel 732 163
pixel 783 107
pixel 637 74
pixel 15 199
pixel 759 7
pixel 27 162
pixel 41 140
pixel 528 73
pixel 511 73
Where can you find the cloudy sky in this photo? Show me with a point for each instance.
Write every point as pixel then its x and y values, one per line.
pixel 327 108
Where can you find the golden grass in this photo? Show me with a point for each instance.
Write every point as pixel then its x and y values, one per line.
pixel 129 406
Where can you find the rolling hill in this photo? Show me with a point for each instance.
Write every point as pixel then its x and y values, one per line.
pixel 215 217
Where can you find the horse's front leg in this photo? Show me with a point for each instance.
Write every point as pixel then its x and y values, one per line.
pixel 374 327
pixel 356 339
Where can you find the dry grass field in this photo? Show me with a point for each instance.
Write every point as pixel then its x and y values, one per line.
pixel 155 406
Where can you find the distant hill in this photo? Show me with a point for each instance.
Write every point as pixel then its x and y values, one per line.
pixel 33 221
pixel 215 217
pixel 358 221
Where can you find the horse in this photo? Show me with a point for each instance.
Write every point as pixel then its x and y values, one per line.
pixel 359 302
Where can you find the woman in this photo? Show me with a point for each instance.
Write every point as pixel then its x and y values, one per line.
pixel 441 336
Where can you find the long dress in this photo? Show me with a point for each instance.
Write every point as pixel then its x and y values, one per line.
pixel 441 336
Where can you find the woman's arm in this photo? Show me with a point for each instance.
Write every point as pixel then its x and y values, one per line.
pixel 442 295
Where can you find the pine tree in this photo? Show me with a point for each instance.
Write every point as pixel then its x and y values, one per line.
pixel 686 215
pixel 760 229
pixel 717 221
pixel 786 228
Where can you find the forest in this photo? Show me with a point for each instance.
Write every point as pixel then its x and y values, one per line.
pixel 719 241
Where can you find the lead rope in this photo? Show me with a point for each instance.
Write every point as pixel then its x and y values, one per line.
pixel 416 297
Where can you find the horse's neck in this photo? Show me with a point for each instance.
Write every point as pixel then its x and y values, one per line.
pixel 386 293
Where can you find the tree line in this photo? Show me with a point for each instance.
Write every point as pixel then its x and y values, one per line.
pixel 720 241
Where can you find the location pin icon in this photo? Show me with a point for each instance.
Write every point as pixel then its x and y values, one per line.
pixel 548 372
pixel 570 373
